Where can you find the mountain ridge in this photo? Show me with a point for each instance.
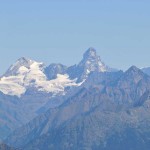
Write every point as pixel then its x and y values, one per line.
pixel 37 88
pixel 100 97
pixel 61 99
pixel 25 72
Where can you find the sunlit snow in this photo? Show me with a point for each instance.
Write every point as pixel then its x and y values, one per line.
pixel 33 76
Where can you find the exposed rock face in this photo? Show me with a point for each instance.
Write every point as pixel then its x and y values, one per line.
pixel 102 114
pixel 99 131
pixel 21 62
pixel 5 147
pixel 91 62
pixel 88 106
pixel 52 70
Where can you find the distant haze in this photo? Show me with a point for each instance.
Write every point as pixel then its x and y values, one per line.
pixel 61 31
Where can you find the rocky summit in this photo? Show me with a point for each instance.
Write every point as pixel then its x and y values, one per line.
pixel 87 106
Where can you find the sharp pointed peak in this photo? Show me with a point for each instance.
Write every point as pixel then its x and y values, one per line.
pixel 24 59
pixel 133 68
pixel 91 49
pixel 91 52
pixel 20 62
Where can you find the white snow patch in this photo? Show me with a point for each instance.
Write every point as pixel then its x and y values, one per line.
pixel 11 88
pixel 34 77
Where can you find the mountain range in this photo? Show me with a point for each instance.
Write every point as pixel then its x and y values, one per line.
pixel 88 106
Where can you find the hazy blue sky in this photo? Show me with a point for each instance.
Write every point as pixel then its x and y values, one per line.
pixel 61 30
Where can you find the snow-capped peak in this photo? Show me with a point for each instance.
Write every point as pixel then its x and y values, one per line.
pixel 20 75
pixel 21 64
pixel 91 52
pixel 91 62
pixel 26 74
